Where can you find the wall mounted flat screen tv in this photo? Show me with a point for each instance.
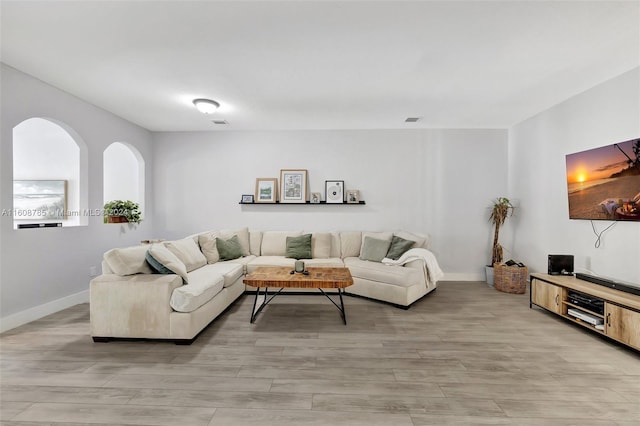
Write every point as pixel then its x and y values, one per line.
pixel 604 183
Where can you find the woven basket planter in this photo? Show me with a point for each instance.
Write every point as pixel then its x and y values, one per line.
pixel 510 279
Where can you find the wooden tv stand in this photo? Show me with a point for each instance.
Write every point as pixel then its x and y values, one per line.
pixel 621 310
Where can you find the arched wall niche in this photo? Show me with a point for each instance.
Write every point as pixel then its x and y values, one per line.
pixel 50 173
pixel 124 170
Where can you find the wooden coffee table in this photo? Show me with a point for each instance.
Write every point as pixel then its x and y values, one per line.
pixel 317 277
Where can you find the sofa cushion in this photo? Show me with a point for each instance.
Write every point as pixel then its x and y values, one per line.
pixel 299 247
pixel 202 287
pixel 374 249
pixel 386 274
pixel 274 243
pixel 255 241
pixel 162 260
pixel 230 271
pixel 243 261
pixel 229 249
pixel 243 238
pixel 321 245
pixel 398 247
pixel 207 242
pixel 336 247
pixel 270 261
pixel 188 251
pixel 333 262
pixel 128 260
pixel 350 243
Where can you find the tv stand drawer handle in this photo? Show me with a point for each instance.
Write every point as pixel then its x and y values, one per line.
pixel 609 319
pixel 557 296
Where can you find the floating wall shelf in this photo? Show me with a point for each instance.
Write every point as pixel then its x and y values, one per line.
pixel 321 203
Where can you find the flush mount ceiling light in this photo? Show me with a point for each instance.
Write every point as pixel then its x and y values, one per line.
pixel 206 106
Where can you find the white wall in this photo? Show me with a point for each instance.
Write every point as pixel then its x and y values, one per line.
pixel 438 182
pixel 44 270
pixel 605 114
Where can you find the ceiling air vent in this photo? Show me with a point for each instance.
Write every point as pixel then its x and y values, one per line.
pixel 223 122
pixel 412 119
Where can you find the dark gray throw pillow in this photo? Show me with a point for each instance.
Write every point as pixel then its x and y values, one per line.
pixel 229 249
pixel 399 246
pixel 299 247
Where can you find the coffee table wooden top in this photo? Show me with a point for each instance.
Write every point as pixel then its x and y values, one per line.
pixel 319 277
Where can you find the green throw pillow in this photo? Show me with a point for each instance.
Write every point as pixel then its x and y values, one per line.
pixel 374 249
pixel 398 247
pixel 299 247
pixel 229 249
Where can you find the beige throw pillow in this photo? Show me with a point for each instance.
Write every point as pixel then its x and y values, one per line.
pixel 162 255
pixel 207 242
pixel 188 252
pixel 128 261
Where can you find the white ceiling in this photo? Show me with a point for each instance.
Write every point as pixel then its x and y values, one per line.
pixel 322 65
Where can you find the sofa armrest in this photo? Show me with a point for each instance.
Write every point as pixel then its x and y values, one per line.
pixel 415 264
pixel 131 306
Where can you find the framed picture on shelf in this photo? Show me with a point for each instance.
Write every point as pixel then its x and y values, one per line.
pixel 334 191
pixel 315 198
pixel 247 198
pixel 293 186
pixel 266 190
pixel 353 196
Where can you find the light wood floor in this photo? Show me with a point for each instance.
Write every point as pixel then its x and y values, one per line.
pixel 464 355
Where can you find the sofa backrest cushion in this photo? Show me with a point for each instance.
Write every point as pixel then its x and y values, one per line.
pixel 335 245
pixel 162 260
pixel 274 243
pixel 350 243
pixel 255 241
pixel 188 251
pixel 299 247
pixel 243 238
pixel 321 245
pixel 128 260
pixel 374 249
pixel 207 243
pixel 422 241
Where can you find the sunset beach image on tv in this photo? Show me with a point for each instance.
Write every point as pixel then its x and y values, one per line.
pixel 604 183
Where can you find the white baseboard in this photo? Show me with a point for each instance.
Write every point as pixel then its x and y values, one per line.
pixel 37 312
pixel 464 277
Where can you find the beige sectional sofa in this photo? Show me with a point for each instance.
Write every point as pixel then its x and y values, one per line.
pixel 132 300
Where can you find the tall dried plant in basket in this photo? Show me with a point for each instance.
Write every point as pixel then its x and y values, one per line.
pixel 500 211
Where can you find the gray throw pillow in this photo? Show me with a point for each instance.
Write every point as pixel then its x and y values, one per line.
pixel 374 249
pixel 299 247
pixel 398 247
pixel 229 249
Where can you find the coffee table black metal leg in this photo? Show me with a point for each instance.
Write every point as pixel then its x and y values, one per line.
pixel 342 311
pixel 264 301
pixel 341 307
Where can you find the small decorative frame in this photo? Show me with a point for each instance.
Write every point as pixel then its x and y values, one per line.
pixel 353 196
pixel 334 191
pixel 247 198
pixel 315 198
pixel 293 186
pixel 266 190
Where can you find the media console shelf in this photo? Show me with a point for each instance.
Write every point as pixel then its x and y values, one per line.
pixel 620 317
